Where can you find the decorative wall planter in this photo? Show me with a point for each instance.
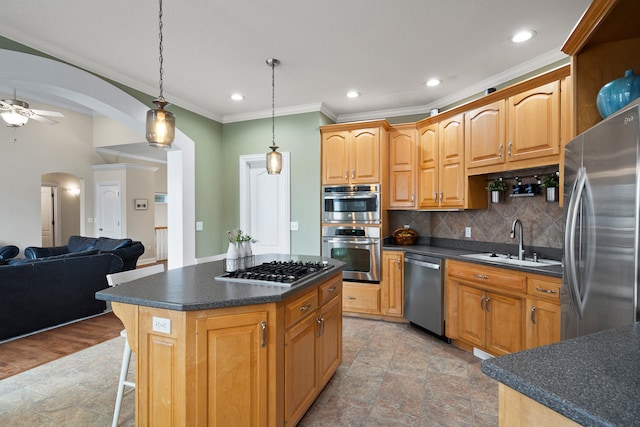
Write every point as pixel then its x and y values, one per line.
pixel 497 196
pixel 551 194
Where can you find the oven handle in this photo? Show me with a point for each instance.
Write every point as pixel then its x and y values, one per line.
pixel 359 196
pixel 352 241
pixel 422 263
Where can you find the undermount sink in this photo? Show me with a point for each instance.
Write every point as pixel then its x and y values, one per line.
pixel 504 259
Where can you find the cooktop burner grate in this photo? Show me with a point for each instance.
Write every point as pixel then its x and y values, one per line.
pixel 277 273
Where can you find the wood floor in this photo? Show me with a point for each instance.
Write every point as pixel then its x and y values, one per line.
pixel 25 353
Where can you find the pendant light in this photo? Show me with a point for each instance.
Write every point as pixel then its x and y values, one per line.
pixel 161 124
pixel 274 159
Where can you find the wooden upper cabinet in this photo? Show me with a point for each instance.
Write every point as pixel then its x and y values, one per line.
pixel 603 45
pixel 351 155
pixel 452 173
pixel 335 157
pixel 402 167
pixel 428 186
pixel 518 132
pixel 534 124
pixel 485 135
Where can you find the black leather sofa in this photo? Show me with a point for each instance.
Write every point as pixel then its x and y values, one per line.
pixel 128 250
pixel 8 252
pixel 39 293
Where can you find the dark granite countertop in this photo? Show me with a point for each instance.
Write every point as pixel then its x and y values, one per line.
pixel 447 250
pixel 593 380
pixel 194 287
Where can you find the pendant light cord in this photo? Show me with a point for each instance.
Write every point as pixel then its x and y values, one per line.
pixel 161 56
pixel 273 103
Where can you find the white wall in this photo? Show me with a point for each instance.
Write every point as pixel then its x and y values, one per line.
pixel 40 149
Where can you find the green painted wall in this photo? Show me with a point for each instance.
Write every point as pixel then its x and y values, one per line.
pixel 297 134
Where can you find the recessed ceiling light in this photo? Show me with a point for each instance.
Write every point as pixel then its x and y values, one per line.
pixel 523 36
pixel 237 97
pixel 353 94
pixel 432 82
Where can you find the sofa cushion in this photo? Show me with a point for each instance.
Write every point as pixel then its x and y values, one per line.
pixel 106 244
pixel 81 244
pixel 9 251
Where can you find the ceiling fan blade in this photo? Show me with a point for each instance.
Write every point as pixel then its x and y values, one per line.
pixel 48 113
pixel 43 119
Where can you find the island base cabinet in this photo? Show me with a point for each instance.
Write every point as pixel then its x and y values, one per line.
pixel 232 370
pixel 517 410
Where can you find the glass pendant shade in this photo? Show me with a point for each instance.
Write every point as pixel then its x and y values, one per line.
pixel 274 161
pixel 14 119
pixel 161 126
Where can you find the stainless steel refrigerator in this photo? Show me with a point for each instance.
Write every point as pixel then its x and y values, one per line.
pixel 601 229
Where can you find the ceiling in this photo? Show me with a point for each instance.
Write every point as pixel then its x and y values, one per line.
pixel 386 50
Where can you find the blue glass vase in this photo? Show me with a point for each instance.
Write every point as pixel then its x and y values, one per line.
pixel 618 93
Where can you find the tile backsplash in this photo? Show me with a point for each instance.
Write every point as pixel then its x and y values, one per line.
pixel 542 222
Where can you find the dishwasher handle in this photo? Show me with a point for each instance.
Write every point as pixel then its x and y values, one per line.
pixel 430 265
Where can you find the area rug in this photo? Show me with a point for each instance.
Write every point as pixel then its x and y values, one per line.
pixel 76 390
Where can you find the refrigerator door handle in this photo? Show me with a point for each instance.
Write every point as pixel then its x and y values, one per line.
pixel 570 239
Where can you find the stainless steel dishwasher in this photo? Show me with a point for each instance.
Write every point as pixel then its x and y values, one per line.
pixel 424 292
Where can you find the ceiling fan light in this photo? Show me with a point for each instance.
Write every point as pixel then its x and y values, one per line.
pixel 274 161
pixel 14 119
pixel 161 126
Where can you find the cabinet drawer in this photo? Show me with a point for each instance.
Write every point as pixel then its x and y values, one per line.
pixel 488 276
pixel 361 298
pixel 328 290
pixel 547 289
pixel 300 307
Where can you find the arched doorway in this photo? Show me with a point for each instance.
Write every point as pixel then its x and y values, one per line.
pixel 30 73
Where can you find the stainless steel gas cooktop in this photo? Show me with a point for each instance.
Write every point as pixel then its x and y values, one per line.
pixel 277 273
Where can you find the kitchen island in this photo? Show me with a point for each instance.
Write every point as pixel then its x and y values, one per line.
pixel 218 353
pixel 593 380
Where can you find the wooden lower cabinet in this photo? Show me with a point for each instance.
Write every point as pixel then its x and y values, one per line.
pixel 392 284
pixel 361 297
pixel 256 365
pixel 500 311
pixel 312 354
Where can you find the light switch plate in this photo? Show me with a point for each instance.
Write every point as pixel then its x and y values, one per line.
pixel 294 225
pixel 467 232
pixel 199 226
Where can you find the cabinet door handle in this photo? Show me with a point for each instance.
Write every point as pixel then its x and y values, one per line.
pixel 346 174
pixel 399 266
pixel 509 149
pixel 413 197
pixel 305 307
pixel 353 174
pixel 481 301
pixel 441 197
pixel 481 276
pixel 263 325
pixel 435 197
pixel 549 291
pixel 320 322
pixel 486 304
pixel 500 150
pixel 533 314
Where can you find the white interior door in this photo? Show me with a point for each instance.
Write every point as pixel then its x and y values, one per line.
pixel 109 209
pixel 49 215
pixel 265 204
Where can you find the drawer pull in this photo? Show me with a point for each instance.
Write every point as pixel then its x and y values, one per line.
pixel 481 276
pixel 549 291
pixel 263 325
pixel 305 307
pixel 351 298
pixel 332 289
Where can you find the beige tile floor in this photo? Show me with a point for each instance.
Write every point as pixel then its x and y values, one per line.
pixel 391 375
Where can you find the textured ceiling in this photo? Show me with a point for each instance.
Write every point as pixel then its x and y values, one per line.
pixel 386 50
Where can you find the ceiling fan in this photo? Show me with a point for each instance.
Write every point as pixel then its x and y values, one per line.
pixel 16 113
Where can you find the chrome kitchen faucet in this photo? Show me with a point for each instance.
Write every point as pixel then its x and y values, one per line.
pixel 513 236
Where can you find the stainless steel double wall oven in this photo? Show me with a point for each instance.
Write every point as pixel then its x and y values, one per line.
pixel 351 229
